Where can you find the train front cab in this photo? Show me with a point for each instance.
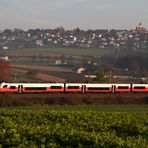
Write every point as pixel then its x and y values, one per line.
pixel 32 88
pixel 9 88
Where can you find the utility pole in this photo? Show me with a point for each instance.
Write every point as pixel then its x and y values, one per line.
pixel 15 75
pixel 110 76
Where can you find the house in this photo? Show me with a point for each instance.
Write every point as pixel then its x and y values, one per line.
pixel 5 47
pixel 58 62
pixel 4 58
pixel 39 43
pixel 81 70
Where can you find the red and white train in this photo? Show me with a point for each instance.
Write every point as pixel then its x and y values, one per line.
pixel 72 88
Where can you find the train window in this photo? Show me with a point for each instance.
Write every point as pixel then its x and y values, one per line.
pixel 5 86
pixel 56 87
pixel 12 87
pixel 139 87
pixel 98 88
pixel 73 87
pixel 35 88
pixel 123 87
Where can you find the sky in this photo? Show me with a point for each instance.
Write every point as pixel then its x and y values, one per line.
pixel 85 14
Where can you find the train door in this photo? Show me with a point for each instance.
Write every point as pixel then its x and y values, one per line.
pixel 20 88
pixel 113 88
pixel 83 88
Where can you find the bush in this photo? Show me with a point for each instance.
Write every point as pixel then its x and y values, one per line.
pixel 9 101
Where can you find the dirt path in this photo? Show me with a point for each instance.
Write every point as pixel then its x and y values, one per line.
pixel 43 76
pixel 49 78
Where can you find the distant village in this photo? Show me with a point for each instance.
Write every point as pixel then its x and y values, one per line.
pixel 126 67
pixel 117 39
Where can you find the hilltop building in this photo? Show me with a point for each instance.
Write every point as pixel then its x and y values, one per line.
pixel 141 29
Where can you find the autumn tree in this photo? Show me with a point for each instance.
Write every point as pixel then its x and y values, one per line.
pixel 4 70
pixel 100 76
pixel 103 77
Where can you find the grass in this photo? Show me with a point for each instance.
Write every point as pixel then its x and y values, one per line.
pixel 95 52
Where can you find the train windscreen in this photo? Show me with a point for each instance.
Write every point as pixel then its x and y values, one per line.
pixel 5 86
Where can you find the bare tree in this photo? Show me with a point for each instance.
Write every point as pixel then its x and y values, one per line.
pixel 4 70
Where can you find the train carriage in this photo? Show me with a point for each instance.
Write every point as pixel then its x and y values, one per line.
pixel 122 88
pixel 31 87
pixel 43 88
pixel 139 88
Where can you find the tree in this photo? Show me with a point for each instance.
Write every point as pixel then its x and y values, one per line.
pixel 4 70
pixel 62 58
pixel 41 57
pixel 34 58
pixel 70 59
pixel 100 76
pixel 104 77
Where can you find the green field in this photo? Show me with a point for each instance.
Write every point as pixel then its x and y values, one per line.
pixel 95 52
pixel 77 53
pixel 79 126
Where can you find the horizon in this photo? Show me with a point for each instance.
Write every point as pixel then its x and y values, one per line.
pixel 76 28
pixel 97 14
